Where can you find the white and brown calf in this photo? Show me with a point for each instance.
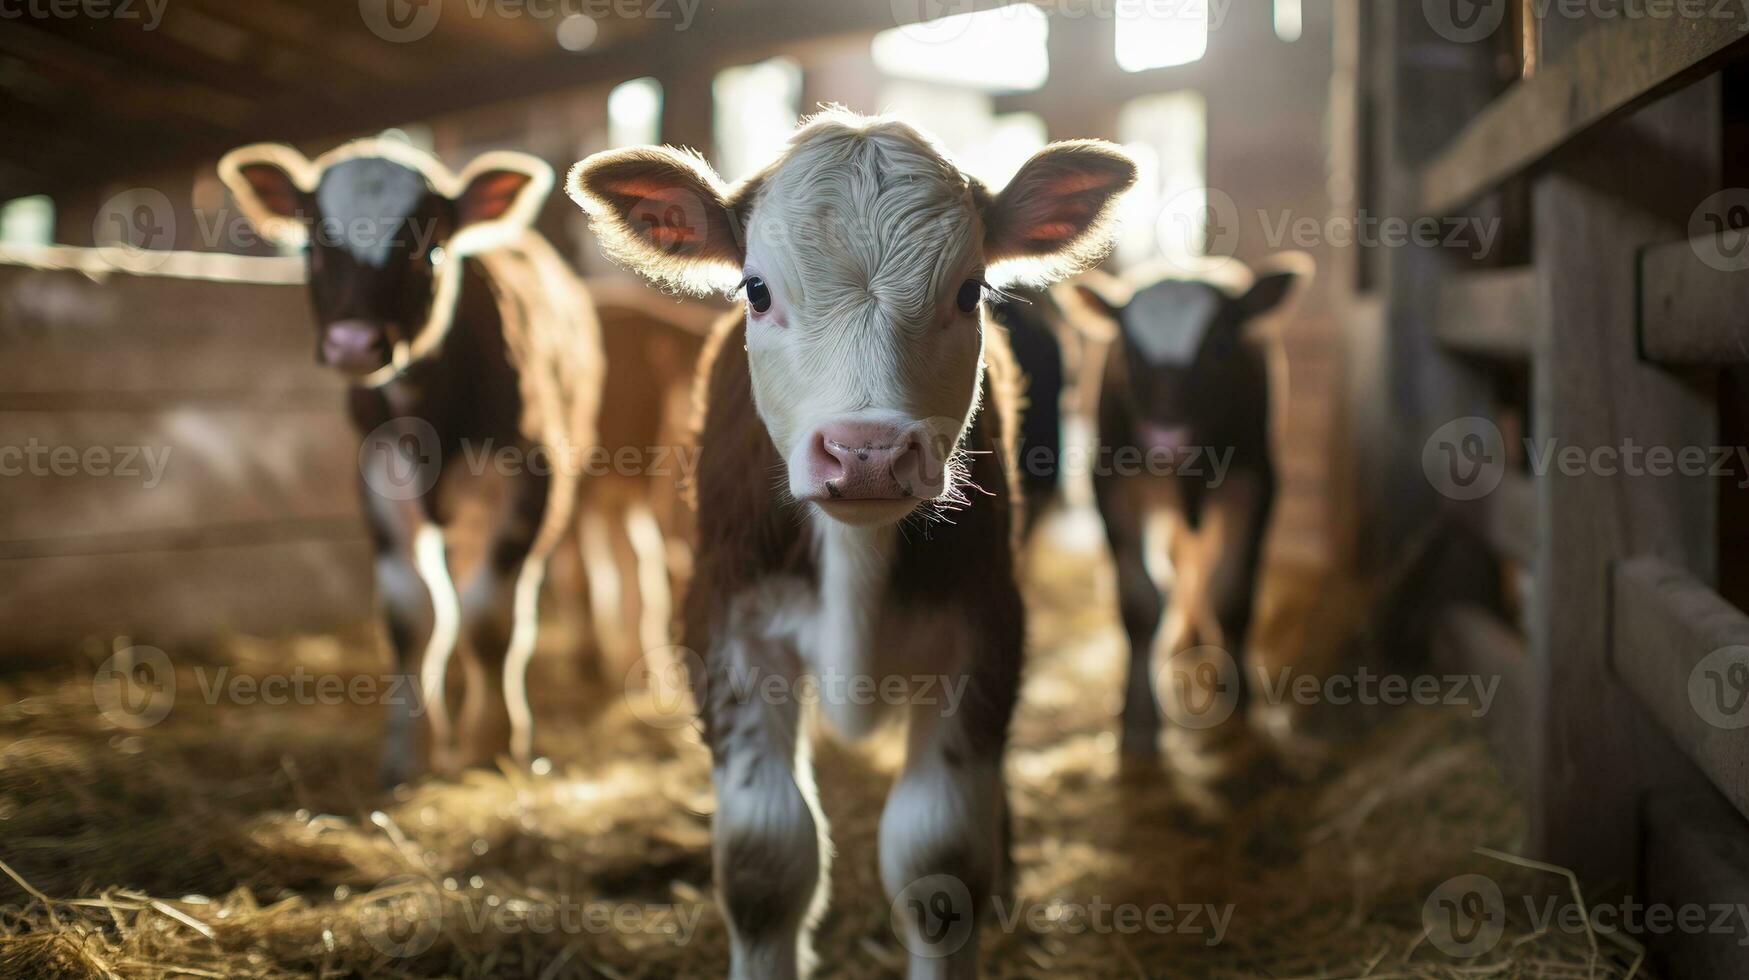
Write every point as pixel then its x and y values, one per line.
pixel 856 517
pixel 462 332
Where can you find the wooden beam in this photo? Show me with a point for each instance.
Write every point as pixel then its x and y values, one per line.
pixel 1697 856
pixel 1617 66
pixel 1679 647
pixel 1490 314
pixel 1694 301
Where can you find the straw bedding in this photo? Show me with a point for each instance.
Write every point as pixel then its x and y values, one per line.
pixel 243 840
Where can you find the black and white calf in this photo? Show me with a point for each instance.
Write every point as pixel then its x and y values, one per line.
pixel 1186 484
pixel 460 328
pixel 855 520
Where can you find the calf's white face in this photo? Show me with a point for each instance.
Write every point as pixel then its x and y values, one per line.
pixel 864 255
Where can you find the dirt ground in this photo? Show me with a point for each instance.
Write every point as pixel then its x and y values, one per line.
pixel 239 838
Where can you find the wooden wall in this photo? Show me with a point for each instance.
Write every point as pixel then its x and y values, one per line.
pixel 251 523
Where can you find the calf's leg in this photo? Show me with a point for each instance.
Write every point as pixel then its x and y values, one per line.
pixel 418 604
pixel 769 838
pixel 499 613
pixel 944 832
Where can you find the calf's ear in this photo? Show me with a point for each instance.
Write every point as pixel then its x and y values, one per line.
pixel 1055 217
pixel 1092 306
pixel 662 213
pixel 501 193
pixel 271 183
pixel 1279 279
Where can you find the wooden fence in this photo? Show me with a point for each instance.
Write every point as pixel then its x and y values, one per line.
pixel 1602 321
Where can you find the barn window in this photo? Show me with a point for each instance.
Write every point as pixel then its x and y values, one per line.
pixel 27 221
pixel 756 110
pixel 1161 35
pixel 634 113
pixel 988 146
pixel 1168 213
pixel 1000 50
pixel 1289 20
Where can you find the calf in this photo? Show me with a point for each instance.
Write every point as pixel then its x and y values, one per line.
pixel 1185 483
pixel 465 336
pixel 855 517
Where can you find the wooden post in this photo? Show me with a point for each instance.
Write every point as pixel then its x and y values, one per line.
pixel 1631 184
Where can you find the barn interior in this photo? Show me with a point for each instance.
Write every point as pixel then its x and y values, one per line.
pixel 1503 655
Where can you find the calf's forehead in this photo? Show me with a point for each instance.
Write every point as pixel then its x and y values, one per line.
pixel 852 214
pixel 1168 321
pixel 365 200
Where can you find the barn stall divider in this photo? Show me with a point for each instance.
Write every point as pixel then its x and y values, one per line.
pixel 1606 150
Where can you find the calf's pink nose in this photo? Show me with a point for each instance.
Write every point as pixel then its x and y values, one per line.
pixel 865 461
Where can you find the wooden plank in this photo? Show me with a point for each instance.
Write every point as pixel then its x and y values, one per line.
pixel 75 475
pixel 1490 314
pixel 1697 856
pixel 1618 65
pixel 129 335
pixel 1468 639
pixel 1509 523
pixel 52 604
pixel 1681 647
pixel 1694 301
pixel 1591 390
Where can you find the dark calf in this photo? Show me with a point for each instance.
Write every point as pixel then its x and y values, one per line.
pixel 1185 483
pixel 466 338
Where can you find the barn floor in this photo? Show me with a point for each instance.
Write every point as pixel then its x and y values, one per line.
pixel 240 840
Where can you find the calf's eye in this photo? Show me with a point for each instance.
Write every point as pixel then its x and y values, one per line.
pixel 758 294
pixel 970 294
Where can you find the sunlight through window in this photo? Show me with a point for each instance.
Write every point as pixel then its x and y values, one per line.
pixel 1167 214
pixel 634 113
pixel 1153 35
pixel 757 107
pixel 1289 20
pixel 1000 50
pixel 27 221
pixel 988 146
